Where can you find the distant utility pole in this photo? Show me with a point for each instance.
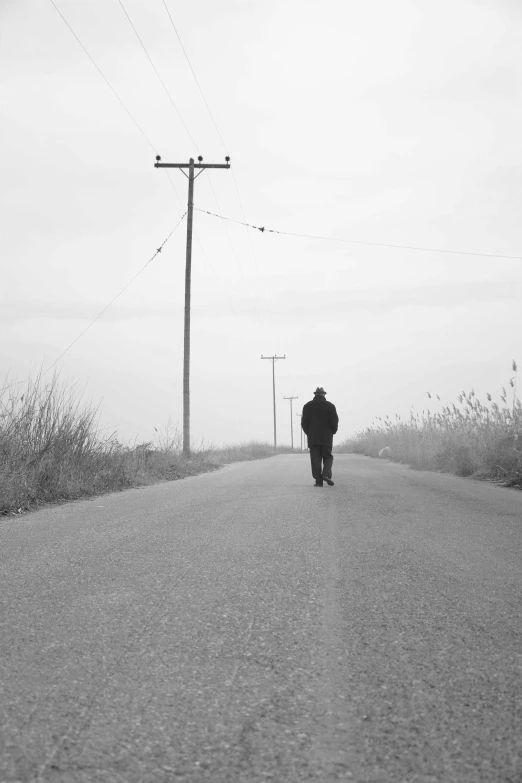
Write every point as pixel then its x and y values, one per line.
pixel 291 419
pixel 188 270
pixel 273 359
pixel 300 429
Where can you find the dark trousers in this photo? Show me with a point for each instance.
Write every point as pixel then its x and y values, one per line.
pixel 321 458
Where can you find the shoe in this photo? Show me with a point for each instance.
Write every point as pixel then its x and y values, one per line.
pixel 318 484
pixel 328 481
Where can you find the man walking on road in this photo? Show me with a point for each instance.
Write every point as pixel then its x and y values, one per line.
pixel 320 421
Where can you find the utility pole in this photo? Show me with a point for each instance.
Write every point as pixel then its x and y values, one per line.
pixel 188 272
pixel 273 359
pixel 300 429
pixel 291 419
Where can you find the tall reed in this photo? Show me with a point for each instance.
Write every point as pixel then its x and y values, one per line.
pixel 469 438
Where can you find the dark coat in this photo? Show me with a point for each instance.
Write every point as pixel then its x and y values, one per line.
pixel 320 421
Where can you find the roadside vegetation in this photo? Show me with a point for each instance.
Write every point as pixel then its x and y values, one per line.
pixel 471 438
pixel 52 449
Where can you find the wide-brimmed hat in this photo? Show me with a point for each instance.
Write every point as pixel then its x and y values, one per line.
pixel 319 390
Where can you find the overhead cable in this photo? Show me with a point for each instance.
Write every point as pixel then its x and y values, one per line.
pixel 307 236
pixel 169 96
pixel 194 75
pixel 181 118
pixel 107 82
pixel 234 251
pixel 111 88
pixel 158 251
pixel 221 140
pixel 263 229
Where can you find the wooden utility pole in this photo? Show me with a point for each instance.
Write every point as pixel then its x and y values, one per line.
pixel 291 419
pixel 188 273
pixel 273 359
pixel 300 429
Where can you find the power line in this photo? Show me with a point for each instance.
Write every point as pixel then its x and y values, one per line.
pixel 221 140
pixel 249 242
pixel 359 242
pixel 158 251
pixel 107 82
pixel 245 224
pixel 308 236
pixel 111 88
pixel 169 96
pixel 151 145
pixel 184 124
pixel 234 251
pixel 167 174
pixel 195 77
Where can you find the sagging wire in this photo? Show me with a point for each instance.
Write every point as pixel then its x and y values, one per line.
pixel 234 253
pixel 264 229
pixel 158 251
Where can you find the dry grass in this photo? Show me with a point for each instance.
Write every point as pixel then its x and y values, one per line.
pixel 471 438
pixel 52 450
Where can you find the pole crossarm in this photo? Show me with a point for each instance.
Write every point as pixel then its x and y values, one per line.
pixel 187 165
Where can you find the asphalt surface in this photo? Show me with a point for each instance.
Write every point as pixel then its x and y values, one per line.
pixel 245 626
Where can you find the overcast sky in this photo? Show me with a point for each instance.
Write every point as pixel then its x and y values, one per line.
pixel 382 122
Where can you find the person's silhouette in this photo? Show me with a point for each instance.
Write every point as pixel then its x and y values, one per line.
pixel 320 422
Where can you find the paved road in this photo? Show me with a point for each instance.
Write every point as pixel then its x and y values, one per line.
pixel 244 626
